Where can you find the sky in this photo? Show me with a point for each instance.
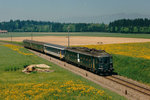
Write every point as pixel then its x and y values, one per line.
pixel 52 10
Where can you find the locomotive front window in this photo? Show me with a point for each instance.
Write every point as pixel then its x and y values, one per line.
pixel 100 60
pixel 111 59
pixel 106 60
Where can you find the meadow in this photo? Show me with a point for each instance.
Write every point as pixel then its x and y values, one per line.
pixel 96 34
pixel 131 60
pixel 60 84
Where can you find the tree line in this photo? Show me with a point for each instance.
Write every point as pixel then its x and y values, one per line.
pixel 118 26
pixel 43 26
pixel 130 26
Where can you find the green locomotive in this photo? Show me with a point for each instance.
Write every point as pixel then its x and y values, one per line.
pixel 97 61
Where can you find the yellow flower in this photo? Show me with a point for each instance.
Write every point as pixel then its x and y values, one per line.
pixel 17 48
pixel 56 89
pixel 139 50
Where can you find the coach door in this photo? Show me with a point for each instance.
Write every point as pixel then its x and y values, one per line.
pixel 93 64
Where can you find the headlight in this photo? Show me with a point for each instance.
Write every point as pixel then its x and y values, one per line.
pixel 101 68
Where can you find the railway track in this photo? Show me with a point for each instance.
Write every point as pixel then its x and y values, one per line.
pixel 130 90
pixel 136 87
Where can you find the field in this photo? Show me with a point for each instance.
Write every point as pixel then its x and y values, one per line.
pixel 79 40
pixel 60 84
pixel 131 60
pixel 90 34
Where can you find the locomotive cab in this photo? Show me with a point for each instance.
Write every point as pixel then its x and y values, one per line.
pixel 105 64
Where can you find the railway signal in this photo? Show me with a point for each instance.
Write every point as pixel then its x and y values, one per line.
pixel 68 36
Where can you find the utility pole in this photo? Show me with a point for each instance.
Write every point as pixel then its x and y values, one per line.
pixel 68 36
pixel 31 36
pixel 11 36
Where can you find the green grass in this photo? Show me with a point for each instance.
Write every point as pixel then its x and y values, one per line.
pixel 131 67
pixel 131 60
pixel 14 83
pixel 97 34
pixel 13 42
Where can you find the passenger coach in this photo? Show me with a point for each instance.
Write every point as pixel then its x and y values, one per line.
pixel 55 50
pixel 35 45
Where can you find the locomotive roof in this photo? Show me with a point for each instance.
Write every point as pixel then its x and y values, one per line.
pixel 90 52
pixel 55 45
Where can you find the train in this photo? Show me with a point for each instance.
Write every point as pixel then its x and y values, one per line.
pixel 97 61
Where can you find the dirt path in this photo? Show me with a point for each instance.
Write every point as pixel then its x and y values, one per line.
pixel 80 40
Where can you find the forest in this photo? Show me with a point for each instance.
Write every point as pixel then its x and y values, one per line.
pixel 130 26
pixel 118 26
pixel 43 26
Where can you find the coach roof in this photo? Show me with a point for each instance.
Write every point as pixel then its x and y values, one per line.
pixel 32 41
pixel 45 44
pixel 54 46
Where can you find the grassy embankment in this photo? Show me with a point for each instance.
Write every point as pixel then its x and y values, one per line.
pixel 131 60
pixel 12 42
pixel 60 84
pixel 97 34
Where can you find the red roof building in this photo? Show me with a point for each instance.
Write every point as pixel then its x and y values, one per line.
pixel 3 31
